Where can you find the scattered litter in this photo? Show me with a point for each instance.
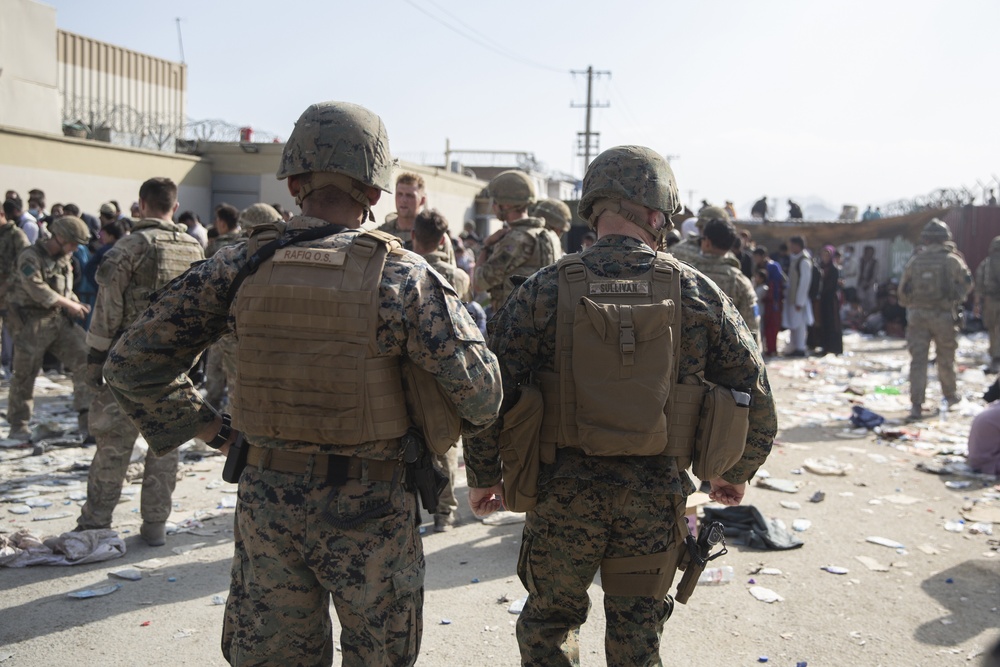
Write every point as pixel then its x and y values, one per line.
pixel 128 573
pixel 445 621
pixel 765 594
pixel 783 485
pixel 817 497
pixel 900 499
pixel 801 525
pixel 982 514
pixel 504 518
pixel 172 579
pixel 762 658
pixel 834 569
pixel 5 656
pixel 517 606
pixel 145 624
pixel 184 634
pixel 51 517
pixel 716 576
pixel 39 503
pixel 180 551
pixel 770 571
pixel 981 529
pixel 862 417
pixel 885 542
pixel 475 580
pixel 951 485
pixel 23 548
pixel 791 505
pixel 872 564
pixel 826 466
pixel 846 494
pixel 955 526
pixel 929 550
pixel 19 509
pixel 150 564
pixel 97 592
pixel 218 599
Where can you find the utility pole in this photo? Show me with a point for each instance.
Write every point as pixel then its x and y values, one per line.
pixel 583 139
pixel 180 39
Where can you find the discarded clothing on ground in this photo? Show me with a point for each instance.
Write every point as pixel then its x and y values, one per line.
pixel 86 546
pixel 746 526
pixel 865 418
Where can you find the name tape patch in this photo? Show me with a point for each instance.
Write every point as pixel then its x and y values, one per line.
pixel 321 256
pixel 620 287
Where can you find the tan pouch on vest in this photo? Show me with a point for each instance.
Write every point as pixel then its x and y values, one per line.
pixel 722 433
pixel 430 409
pixel 520 450
pixel 623 369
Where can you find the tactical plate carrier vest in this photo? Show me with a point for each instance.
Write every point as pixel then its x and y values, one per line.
pixel 169 253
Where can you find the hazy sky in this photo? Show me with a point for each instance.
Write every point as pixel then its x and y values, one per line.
pixel 854 101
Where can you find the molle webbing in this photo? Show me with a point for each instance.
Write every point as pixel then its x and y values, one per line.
pixel 168 255
pixel 306 323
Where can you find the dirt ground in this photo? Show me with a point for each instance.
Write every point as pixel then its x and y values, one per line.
pixel 936 603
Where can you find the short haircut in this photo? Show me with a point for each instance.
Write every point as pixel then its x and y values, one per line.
pixel 720 233
pixel 798 240
pixel 409 178
pixel 115 229
pixel 429 228
pixel 760 250
pixel 186 217
pixel 71 209
pixel 228 214
pixel 160 194
pixel 11 208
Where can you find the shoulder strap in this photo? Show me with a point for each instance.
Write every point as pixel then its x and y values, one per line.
pixel 267 251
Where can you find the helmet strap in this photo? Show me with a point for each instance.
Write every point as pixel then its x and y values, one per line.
pixel 615 206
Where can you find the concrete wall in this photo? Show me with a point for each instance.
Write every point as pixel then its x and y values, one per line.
pixel 29 96
pixel 88 173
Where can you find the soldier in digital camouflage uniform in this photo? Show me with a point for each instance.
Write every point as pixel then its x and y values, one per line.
pixel 12 242
pixel 988 297
pixel 593 508
pixel 411 197
pixel 48 317
pixel 716 262
pixel 157 251
pixel 935 283
pixel 428 230
pixel 227 225
pixel 522 248
pixel 318 519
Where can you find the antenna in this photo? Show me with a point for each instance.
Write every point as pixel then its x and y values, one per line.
pixel 180 39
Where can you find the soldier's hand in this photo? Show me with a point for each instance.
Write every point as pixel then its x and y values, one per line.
pixel 725 493
pixel 77 311
pixel 486 501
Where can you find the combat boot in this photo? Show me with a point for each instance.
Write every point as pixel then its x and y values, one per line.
pixel 443 522
pixel 154 533
pixel 20 432
pixel 83 427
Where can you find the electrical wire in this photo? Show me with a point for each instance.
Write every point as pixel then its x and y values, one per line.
pixel 496 49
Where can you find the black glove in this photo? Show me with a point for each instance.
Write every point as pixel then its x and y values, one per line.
pixel 95 367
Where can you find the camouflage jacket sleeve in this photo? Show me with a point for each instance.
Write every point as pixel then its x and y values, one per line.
pixel 113 277
pixel 31 280
pixel 510 252
pixel 961 277
pixel 421 317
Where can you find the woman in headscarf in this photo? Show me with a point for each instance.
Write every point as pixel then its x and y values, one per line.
pixel 831 339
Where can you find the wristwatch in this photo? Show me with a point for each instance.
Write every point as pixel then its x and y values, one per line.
pixel 225 431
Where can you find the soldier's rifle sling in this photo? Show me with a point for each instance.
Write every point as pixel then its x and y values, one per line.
pixel 266 252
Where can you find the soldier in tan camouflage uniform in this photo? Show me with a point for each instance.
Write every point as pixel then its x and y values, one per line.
pixel 12 242
pixel 689 249
pixel 411 198
pixel 47 316
pixel 595 511
pixel 556 214
pixel 935 282
pixel 227 225
pixel 716 262
pixel 323 327
pixel 522 248
pixel 988 298
pixel 157 251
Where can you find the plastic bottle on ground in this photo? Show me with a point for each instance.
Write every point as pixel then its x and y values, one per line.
pixel 714 576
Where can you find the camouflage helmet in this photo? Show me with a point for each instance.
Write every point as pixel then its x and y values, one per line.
pixel 511 188
pixel 710 213
pixel 555 212
pixel 258 214
pixel 341 138
pixel 70 229
pixel 935 231
pixel 634 174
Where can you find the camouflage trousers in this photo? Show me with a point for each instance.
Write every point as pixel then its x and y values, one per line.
pixel 991 320
pixel 220 370
pixel 447 504
pixel 32 339
pixel 291 560
pixel 575 525
pixel 116 436
pixel 922 327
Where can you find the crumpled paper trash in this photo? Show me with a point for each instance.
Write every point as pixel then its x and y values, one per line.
pixel 86 546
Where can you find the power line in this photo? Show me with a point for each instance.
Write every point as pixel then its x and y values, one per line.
pixel 480 42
